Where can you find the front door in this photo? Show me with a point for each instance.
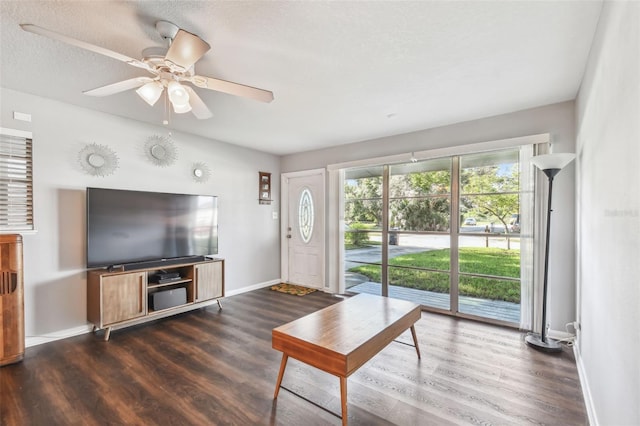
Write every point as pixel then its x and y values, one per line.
pixel 304 236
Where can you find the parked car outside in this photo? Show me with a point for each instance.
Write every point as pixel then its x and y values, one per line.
pixel 470 221
pixel 514 223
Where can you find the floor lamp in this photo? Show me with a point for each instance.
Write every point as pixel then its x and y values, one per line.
pixel 550 164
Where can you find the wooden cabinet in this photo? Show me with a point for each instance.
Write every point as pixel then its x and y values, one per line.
pixel 11 300
pixel 209 279
pixel 121 298
pixel 124 297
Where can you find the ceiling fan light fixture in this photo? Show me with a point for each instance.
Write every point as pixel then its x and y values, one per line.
pixel 178 95
pixel 185 50
pixel 150 92
pixel 181 109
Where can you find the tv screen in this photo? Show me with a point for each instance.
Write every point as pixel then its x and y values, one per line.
pixel 134 226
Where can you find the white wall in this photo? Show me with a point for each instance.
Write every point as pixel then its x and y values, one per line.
pixel 608 218
pixel 557 119
pixel 54 257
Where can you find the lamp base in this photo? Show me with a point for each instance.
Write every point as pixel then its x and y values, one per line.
pixel 536 342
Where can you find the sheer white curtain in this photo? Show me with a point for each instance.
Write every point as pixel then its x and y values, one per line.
pixel 533 206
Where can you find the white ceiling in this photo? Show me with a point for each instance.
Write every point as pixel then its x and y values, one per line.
pixel 341 72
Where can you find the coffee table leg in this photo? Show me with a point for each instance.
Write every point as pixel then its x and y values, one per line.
pixel 415 340
pixel 283 365
pixel 343 399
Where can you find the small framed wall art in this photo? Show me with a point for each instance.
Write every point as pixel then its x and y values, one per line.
pixel 264 188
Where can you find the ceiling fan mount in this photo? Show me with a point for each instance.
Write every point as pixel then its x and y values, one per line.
pixel 170 66
pixel 167 30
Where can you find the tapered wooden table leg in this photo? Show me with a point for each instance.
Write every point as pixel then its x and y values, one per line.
pixel 343 399
pixel 283 365
pixel 415 340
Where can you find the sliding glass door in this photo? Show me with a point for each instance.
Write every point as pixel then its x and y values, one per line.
pixel 419 211
pixel 489 236
pixel 441 232
pixel 363 193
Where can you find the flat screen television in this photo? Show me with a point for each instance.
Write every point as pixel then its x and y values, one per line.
pixel 125 227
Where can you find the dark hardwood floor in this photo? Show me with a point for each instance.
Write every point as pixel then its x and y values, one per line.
pixel 217 367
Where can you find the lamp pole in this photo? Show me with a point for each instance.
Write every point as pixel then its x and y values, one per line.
pixel 541 342
pixel 550 164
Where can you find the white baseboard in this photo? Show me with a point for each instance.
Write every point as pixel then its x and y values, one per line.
pixel 252 287
pixel 76 331
pixel 30 341
pixel 560 335
pixel 586 390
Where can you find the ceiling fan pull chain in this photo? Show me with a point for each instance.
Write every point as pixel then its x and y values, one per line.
pixel 167 111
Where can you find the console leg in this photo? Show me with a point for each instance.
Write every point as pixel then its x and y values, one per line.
pixel 219 305
pixel 107 333
pixel 283 365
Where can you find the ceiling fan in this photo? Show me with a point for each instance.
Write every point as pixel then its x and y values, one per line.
pixel 170 68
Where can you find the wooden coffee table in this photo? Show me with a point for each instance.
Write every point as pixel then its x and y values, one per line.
pixel 340 338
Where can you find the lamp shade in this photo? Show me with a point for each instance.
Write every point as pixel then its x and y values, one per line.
pixel 178 95
pixel 181 109
pixel 150 92
pixel 552 161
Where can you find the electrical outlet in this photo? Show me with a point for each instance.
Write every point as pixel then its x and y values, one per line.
pixel 274 215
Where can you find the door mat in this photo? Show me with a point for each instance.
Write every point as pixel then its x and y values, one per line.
pixel 292 289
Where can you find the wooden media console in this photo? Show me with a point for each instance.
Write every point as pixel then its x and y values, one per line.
pixel 120 299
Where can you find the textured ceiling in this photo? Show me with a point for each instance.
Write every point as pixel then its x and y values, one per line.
pixel 341 72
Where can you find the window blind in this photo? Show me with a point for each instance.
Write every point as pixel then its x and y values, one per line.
pixel 16 183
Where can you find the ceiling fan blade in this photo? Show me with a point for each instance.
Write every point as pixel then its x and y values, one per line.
pixel 83 45
pixel 231 88
pixel 118 87
pixel 186 49
pixel 198 108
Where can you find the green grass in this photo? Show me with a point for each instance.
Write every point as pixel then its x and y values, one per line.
pixel 354 240
pixel 367 243
pixel 485 261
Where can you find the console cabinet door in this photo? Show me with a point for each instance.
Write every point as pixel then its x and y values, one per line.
pixel 209 278
pixel 123 297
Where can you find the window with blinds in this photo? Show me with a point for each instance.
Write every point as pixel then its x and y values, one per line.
pixel 16 183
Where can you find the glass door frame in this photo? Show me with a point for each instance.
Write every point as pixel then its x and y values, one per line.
pixel 454 240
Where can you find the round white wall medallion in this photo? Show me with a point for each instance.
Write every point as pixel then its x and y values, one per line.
pixel 200 172
pixel 161 150
pixel 98 160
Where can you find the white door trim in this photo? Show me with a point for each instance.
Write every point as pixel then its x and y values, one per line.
pixel 284 220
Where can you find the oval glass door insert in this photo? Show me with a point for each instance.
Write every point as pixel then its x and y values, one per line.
pixel 305 215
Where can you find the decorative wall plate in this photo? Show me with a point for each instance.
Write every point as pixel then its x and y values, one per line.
pixel 161 150
pixel 200 172
pixel 98 160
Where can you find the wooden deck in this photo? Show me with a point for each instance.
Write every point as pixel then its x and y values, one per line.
pixel 494 309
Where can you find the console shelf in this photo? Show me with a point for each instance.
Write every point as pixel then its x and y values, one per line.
pixel 152 286
pixel 119 299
